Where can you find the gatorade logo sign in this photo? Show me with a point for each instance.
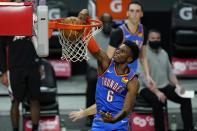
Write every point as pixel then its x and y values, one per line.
pixel 117 8
pixel 116 5
pixel 185 13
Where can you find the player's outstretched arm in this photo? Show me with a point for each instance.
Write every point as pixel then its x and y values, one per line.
pixel 76 115
pixel 129 101
pixel 102 58
pixel 110 51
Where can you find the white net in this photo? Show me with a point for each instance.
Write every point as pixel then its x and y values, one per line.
pixel 74 44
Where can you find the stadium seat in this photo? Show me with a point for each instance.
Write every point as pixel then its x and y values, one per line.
pixel 186 37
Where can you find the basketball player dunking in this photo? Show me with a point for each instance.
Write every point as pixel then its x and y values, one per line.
pixel 117 86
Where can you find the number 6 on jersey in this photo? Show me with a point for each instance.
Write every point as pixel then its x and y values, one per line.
pixel 110 96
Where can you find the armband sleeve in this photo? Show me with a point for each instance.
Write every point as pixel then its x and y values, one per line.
pixel 93 46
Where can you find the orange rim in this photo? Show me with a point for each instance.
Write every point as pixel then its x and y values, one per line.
pixel 58 25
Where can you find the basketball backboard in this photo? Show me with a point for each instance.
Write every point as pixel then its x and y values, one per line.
pixel 17 20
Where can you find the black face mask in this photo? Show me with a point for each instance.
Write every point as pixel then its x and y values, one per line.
pixel 155 44
pixel 107 28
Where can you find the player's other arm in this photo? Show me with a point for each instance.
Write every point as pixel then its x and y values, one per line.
pixel 75 115
pixel 129 101
pixel 133 87
pixel 116 38
pixel 143 60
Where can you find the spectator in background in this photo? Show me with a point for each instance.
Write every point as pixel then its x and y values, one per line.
pixel 102 38
pixel 166 82
pixel 134 31
pixel 23 65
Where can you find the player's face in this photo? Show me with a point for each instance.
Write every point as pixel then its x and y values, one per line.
pixel 122 55
pixel 154 36
pixel 134 13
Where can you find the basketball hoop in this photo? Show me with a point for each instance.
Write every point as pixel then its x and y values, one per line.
pixel 74 42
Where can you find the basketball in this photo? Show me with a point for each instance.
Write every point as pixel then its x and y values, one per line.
pixel 72 35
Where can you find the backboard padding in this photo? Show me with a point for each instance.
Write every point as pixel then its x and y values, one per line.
pixel 16 19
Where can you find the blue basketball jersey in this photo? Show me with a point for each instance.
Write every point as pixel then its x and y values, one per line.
pixel 110 94
pixel 138 38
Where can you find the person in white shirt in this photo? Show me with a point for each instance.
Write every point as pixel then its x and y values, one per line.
pixel 166 82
